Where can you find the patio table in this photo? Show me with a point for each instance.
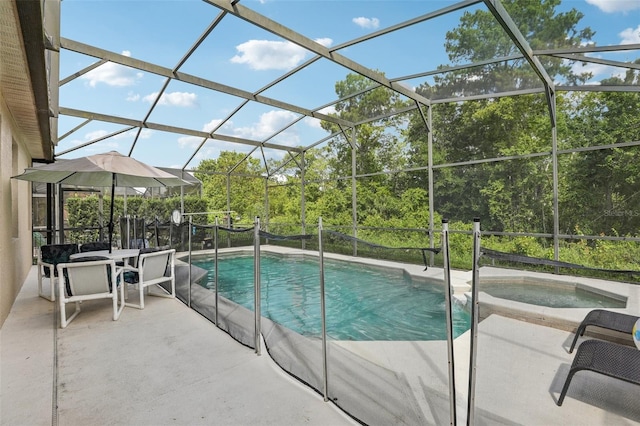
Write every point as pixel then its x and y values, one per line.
pixel 123 254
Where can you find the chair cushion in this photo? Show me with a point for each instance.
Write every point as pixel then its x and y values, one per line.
pixel 54 254
pixel 153 249
pixel 94 246
pixel 88 259
pixel 131 277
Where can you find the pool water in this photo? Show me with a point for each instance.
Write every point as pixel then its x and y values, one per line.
pixel 553 296
pixel 362 303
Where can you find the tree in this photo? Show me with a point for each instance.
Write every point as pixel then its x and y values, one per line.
pixel 601 188
pixel 376 147
pixel 246 184
pixel 513 195
pixel 480 37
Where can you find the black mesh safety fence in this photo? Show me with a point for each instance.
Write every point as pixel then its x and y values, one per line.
pixel 386 333
pixel 367 333
pixel 520 260
pixel 291 324
pixel 133 233
pixel 224 294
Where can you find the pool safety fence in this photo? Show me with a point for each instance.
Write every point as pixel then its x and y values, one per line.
pixel 520 259
pixel 375 380
pixel 369 249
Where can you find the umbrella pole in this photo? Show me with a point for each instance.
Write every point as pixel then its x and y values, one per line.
pixel 113 187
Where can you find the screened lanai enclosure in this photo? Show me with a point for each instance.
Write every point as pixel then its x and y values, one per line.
pixel 392 130
pixel 513 112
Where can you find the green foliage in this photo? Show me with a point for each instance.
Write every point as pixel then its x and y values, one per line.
pixel 376 148
pixel 239 172
pixel 480 37
pixel 83 213
pixel 603 119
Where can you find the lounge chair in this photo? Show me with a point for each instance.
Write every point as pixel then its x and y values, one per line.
pixel 608 358
pixel 605 319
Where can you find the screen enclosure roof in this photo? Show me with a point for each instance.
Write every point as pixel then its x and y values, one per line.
pixel 174 82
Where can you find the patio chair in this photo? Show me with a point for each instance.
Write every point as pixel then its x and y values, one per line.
pixel 94 246
pixel 154 266
pixel 609 320
pixel 89 278
pixel 49 256
pixel 608 358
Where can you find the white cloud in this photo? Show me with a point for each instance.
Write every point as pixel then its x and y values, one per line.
pixel 213 148
pixel 145 134
pixel 630 35
pixel 96 134
pixel 103 145
pixel 181 99
pixel 208 127
pixel 269 55
pixel 369 23
pixel 269 123
pixel 113 74
pixel 189 141
pixel 124 135
pixel 612 6
pixel 599 71
pixel 314 122
pixel 194 141
pixel 286 138
pixel 273 55
pixel 325 41
pixel 133 97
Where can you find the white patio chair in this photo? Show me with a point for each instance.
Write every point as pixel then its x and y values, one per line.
pixel 153 268
pixel 89 278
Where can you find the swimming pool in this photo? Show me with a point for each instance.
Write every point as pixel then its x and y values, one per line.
pixel 362 302
pixel 550 295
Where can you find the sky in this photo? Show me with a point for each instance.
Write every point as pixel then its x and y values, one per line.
pixel 243 56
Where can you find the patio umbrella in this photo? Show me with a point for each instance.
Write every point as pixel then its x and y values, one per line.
pixel 110 169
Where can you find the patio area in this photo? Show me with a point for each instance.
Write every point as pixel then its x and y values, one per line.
pixel 162 365
pixel 168 365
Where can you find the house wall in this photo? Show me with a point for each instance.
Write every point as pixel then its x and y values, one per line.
pixel 15 212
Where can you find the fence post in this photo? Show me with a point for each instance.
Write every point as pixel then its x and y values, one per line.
pixel 256 279
pixel 323 313
pixel 215 262
pixel 189 283
pixel 474 323
pixel 449 320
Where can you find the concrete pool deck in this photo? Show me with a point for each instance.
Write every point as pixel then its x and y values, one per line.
pixel 168 365
pixel 164 365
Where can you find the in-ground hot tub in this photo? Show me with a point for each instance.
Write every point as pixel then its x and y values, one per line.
pixel 553 302
pixel 553 294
